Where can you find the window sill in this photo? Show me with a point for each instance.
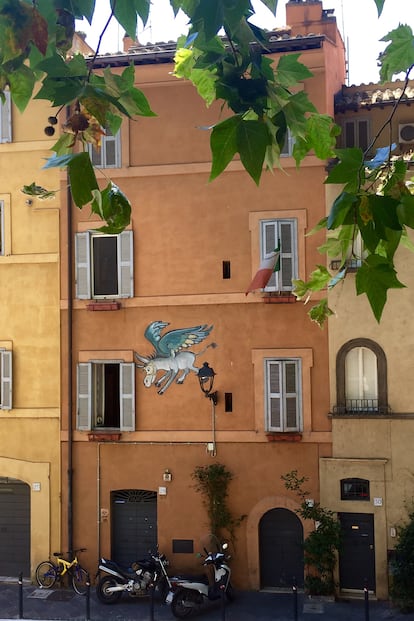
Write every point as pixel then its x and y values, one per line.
pixel 279 299
pixel 103 306
pixel 104 437
pixel 283 437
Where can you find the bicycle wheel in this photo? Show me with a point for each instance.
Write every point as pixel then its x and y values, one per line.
pixel 80 580
pixel 46 574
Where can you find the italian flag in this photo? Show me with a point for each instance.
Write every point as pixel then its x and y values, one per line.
pixel 267 267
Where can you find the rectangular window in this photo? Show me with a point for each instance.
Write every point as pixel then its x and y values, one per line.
pixel 283 395
pixel 109 153
pixel 5 379
pixel 287 148
pixel 282 234
pixel 104 265
pixel 355 133
pixel 5 118
pixel 106 395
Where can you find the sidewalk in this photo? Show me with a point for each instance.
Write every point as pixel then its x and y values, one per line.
pixel 61 604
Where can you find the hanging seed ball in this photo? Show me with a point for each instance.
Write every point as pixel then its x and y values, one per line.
pixel 78 122
pixel 52 120
pixel 49 130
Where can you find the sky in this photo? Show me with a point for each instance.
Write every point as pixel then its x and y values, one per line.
pixel 357 20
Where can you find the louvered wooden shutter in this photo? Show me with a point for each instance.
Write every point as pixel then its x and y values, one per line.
pixel 127 396
pixel 126 264
pixel 287 255
pixel 6 380
pixel 82 266
pixel 274 396
pixel 5 119
pixel 84 405
pixel 268 245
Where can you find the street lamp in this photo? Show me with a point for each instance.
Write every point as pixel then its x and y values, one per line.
pixel 206 378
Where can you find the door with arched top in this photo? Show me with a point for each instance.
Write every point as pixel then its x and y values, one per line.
pixel 281 549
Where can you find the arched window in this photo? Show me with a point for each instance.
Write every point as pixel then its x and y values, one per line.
pixel 361 378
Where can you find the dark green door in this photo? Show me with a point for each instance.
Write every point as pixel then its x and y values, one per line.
pixel 134 524
pixel 14 528
pixel 280 549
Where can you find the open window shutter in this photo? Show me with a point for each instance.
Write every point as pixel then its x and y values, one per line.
pixel 126 264
pixel 268 245
pixel 83 266
pixel 6 380
pixel 274 395
pixel 291 396
pixel 287 255
pixel 84 410
pixel 5 119
pixel 127 396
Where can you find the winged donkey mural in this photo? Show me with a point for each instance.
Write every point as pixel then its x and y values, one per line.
pixel 171 354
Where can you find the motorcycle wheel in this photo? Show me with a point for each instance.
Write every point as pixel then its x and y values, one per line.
pixel 162 589
pixel 102 591
pixel 179 604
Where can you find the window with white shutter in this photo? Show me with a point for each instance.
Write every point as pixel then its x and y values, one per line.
pixel 5 118
pixel 6 379
pixel 106 395
pixel 109 153
pixel 104 265
pixel 280 234
pixel 283 395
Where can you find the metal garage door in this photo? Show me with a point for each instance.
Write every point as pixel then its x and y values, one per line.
pixel 14 527
pixel 134 524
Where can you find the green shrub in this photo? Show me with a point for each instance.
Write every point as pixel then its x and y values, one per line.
pixel 402 567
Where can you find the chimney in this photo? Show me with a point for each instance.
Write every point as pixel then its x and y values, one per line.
pixel 308 17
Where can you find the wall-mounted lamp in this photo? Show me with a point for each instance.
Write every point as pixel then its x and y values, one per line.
pixel 167 476
pixel 206 378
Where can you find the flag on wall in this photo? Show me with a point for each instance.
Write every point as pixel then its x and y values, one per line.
pixel 267 267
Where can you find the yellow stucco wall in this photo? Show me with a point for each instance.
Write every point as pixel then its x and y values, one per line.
pixel 30 326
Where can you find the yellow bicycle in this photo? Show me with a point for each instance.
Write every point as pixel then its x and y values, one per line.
pixel 48 572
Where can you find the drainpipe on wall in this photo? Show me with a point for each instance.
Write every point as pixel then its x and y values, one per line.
pixel 69 204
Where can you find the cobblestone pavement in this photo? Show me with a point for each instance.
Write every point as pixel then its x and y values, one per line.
pixel 31 603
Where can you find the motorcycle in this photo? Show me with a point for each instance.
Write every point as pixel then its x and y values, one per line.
pixel 138 580
pixel 190 594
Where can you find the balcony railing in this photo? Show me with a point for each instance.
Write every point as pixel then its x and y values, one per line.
pixel 361 407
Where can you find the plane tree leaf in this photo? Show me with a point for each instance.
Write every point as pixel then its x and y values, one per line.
pixel 374 278
pixel 398 56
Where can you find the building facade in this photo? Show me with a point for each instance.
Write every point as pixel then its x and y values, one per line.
pixel 369 478
pixel 135 424
pixel 29 345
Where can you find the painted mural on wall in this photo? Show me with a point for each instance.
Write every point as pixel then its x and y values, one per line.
pixel 171 359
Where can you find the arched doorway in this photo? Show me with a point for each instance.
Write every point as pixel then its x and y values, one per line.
pixel 14 527
pixel 134 524
pixel 280 549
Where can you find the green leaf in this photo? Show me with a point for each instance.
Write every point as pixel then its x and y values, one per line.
pixel 223 143
pixel 21 85
pixel 375 276
pixel 82 179
pixel 349 170
pixel 343 205
pixel 38 191
pixel 253 139
pixel 271 5
pixel 290 71
pixel 112 206
pixel 398 56
pixel 380 6
pixel 126 11
pixel 320 312
pixel 210 15
pixel 319 135
pixel 405 210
